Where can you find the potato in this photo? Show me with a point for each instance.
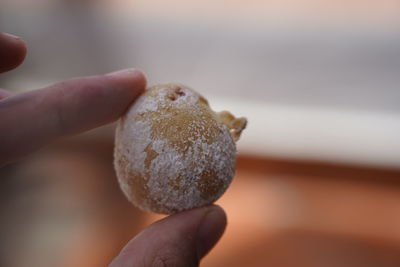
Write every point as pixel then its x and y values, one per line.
pixel 172 152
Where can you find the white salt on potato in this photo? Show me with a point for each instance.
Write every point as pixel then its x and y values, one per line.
pixel 172 152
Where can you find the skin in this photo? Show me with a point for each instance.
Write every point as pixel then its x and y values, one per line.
pixel 31 120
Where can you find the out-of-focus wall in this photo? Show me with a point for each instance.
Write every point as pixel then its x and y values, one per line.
pixel 317 79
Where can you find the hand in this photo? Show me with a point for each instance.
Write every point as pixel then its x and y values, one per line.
pixel 33 119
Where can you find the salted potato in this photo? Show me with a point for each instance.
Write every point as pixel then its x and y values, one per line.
pixel 172 152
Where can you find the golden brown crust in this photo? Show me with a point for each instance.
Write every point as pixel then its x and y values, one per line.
pixel 235 125
pixel 173 152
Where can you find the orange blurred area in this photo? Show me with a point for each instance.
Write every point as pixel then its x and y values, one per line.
pixel 63 207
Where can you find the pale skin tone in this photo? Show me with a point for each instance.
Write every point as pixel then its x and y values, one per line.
pixel 31 120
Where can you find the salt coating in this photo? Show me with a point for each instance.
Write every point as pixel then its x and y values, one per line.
pixel 171 151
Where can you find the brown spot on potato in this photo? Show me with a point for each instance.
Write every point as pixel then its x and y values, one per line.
pixel 180 131
pixel 179 91
pixel 140 191
pixel 203 101
pixel 176 125
pixel 175 93
pixel 138 187
pixel 171 97
pixel 209 184
pixel 176 184
pixel 150 155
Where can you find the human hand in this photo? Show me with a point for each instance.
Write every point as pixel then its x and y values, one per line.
pixel 33 119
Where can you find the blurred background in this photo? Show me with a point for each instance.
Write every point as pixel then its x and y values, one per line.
pixel 318 175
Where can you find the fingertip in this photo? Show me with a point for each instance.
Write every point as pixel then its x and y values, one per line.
pixel 210 230
pixel 217 208
pixel 12 51
pixel 133 79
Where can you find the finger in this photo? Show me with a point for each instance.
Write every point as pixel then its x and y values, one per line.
pixel 4 94
pixel 178 240
pixel 29 120
pixel 12 51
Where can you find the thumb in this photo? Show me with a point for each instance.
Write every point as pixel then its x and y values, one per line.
pixel 178 240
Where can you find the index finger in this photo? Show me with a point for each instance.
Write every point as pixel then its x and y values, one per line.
pixel 30 120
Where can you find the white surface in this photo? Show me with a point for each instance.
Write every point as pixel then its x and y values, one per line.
pixel 346 136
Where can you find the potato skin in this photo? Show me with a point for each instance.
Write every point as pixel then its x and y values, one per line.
pixel 171 151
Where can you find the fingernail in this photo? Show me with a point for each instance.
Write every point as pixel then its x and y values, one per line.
pixel 123 73
pixel 210 230
pixel 133 79
pixel 11 36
